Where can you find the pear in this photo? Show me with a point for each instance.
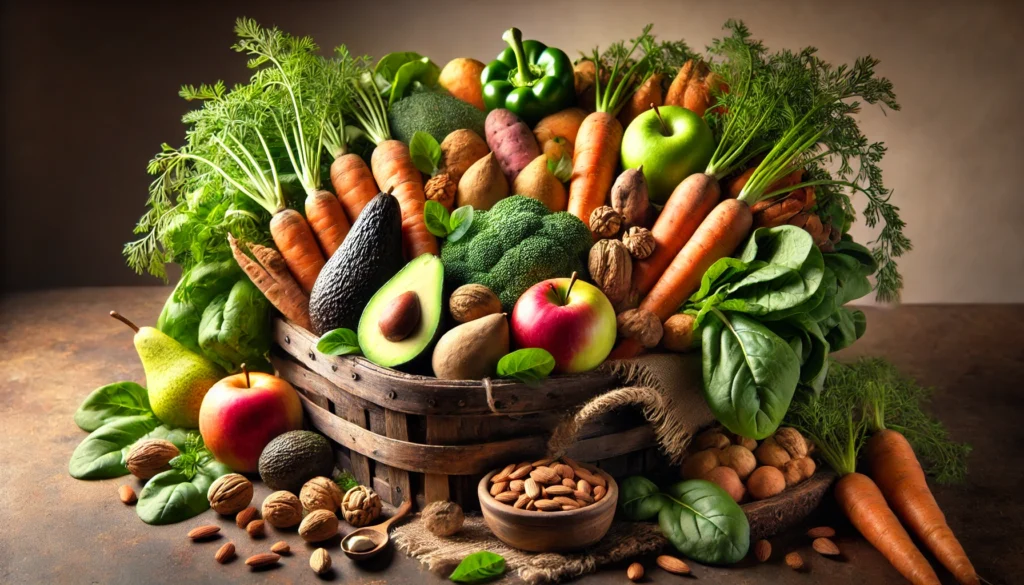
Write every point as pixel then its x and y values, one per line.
pixel 177 377
pixel 471 351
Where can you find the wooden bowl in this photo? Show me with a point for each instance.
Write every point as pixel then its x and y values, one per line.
pixel 536 531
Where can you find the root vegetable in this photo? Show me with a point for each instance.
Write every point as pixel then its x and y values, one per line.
pixel 698 465
pixel 459 150
pixel 511 141
pixel 461 78
pixel 728 480
pixel 766 482
pixel 629 197
pixel 538 182
pixel 564 125
pixel 678 335
pixel 739 459
pixel 647 95
pixel 482 185
pixel 395 172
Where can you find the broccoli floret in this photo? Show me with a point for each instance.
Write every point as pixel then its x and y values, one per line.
pixel 515 245
pixel 437 114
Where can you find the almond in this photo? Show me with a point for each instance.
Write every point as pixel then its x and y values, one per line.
pixel 531 488
pixel 522 501
pixel 565 501
pixel 203 532
pixel 592 478
pixel 517 486
pixel 547 505
pixel 673 565
pixel 824 546
pixel 564 470
pixel 521 472
pixel 127 494
pixel 320 561
pixel 281 548
pixel 584 486
pixel 821 532
pixel 225 553
pixel 568 507
pixel 543 462
pixel 504 473
pixel 256 529
pixel 568 483
pixel 245 517
pixel 794 561
pixel 635 572
pixel 762 550
pixel 583 497
pixel 545 475
pixel 497 488
pixel 599 492
pixel 559 490
pixel 262 560
pixel 507 497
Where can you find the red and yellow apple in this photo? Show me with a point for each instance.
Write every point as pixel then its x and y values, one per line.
pixel 242 413
pixel 571 319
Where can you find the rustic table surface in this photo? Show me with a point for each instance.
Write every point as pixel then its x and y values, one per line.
pixel 56 346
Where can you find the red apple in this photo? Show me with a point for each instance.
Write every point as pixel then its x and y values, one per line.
pixel 571 319
pixel 242 413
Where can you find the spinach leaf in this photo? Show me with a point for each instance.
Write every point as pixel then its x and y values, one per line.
pixel 459 223
pixel 389 64
pixel 851 282
pixel 640 498
pixel 479 567
pixel 750 374
pixel 847 247
pixel 704 523
pixel 720 272
pixel 425 152
pixel 112 402
pixel 99 456
pixel 526 365
pixel 172 497
pixel 437 219
pixel 814 348
pixel 338 342
pixel 844 327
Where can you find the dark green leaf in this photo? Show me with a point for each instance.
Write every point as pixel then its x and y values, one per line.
pixel 841 328
pixel 526 365
pixel 99 456
pixel 847 247
pixel 338 342
pixel 111 402
pixel 346 480
pixel 389 64
pixel 851 282
pixel 720 273
pixel 172 497
pixel 461 220
pixel 704 523
pixel 437 219
pixel 425 152
pixel 479 567
pixel 640 499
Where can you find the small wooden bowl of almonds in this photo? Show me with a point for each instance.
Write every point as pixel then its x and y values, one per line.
pixel 533 507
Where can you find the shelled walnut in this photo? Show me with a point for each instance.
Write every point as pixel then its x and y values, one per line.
pixel 641 325
pixel 611 269
pixel 639 241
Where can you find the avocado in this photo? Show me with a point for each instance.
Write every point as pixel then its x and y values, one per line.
pixel 437 114
pixel 411 304
pixel 370 255
pixel 292 459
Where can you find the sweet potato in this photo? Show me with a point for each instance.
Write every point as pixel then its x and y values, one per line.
pixel 511 142
pixel 482 185
pixel 459 150
pixel 537 181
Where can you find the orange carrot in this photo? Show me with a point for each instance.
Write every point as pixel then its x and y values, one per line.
pixel 594 161
pixel 690 202
pixel 268 271
pixel 324 214
pixel 354 184
pixel 395 172
pixel 863 503
pixel 297 244
pixel 649 94
pixel 892 464
pixel 718 235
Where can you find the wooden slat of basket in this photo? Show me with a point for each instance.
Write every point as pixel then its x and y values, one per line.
pixel 440 430
pixel 426 395
pixel 396 427
pixel 464 459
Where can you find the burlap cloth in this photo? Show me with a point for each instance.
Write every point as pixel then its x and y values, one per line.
pixel 667 389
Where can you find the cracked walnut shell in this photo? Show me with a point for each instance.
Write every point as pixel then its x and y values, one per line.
pixel 644 326
pixel 605 222
pixel 320 493
pixel 360 506
pixel 282 509
pixel 230 494
pixel 149 457
pixel 639 241
pixel 441 188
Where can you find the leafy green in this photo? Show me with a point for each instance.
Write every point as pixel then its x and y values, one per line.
pixel 402 72
pixel 425 153
pixel 338 342
pixel 562 168
pixel 750 374
pixel 478 568
pixel 99 456
pixel 530 364
pixel 704 523
pixel 461 221
pixel 346 480
pixel 113 401
pixel 437 218
pixel 235 328
pixel 640 499
pixel 180 492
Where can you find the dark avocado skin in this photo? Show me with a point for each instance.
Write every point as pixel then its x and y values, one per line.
pixel 292 459
pixel 370 255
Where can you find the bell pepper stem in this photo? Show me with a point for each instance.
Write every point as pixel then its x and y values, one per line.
pixel 514 38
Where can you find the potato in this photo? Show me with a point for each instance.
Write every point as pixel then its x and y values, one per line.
pixel 537 182
pixel 771 454
pixel 483 185
pixel 459 150
pixel 727 479
pixel 739 459
pixel 792 473
pixel 696 466
pixel 511 141
pixel 765 482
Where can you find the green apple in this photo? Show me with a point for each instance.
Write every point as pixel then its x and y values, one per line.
pixel 671 143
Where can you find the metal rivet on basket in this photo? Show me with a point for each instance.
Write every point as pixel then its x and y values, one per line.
pixel 334 367
pixel 355 376
pixel 431 402
pixel 312 356
pixel 462 403
pixel 391 395
pixel 287 339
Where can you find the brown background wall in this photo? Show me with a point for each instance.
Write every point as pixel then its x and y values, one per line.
pixel 89 91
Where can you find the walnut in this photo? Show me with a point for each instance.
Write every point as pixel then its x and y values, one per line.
pixel 443 518
pixel 678 334
pixel 318 526
pixel 441 188
pixel 360 506
pixel 611 269
pixel 150 457
pixel 605 222
pixel 644 326
pixel 792 441
pixel 230 494
pixel 282 509
pixel 472 301
pixel 639 241
pixel 320 493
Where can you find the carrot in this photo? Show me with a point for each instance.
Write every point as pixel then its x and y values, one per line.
pixel 354 184
pixel 862 502
pixel 395 172
pixel 297 244
pixel 690 202
pixel 647 95
pixel 892 464
pixel 718 235
pixel 267 270
pixel 325 216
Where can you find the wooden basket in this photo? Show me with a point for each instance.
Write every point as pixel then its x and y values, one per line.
pixel 420 437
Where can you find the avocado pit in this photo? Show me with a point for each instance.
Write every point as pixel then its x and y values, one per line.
pixel 401 317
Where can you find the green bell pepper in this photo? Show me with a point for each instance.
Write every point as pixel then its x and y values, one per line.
pixel 529 78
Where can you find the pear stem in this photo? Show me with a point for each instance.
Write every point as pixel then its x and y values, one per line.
pixel 124 320
pixel 572 281
pixel 664 127
pixel 245 371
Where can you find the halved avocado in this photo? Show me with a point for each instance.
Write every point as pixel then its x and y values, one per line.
pixel 423 276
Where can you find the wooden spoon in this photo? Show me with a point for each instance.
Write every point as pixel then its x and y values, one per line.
pixel 378 534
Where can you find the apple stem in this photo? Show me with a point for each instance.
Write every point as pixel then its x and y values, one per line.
pixel 124 320
pixel 572 281
pixel 664 127
pixel 245 371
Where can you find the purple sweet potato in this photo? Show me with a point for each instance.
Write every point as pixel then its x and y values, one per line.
pixel 511 141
